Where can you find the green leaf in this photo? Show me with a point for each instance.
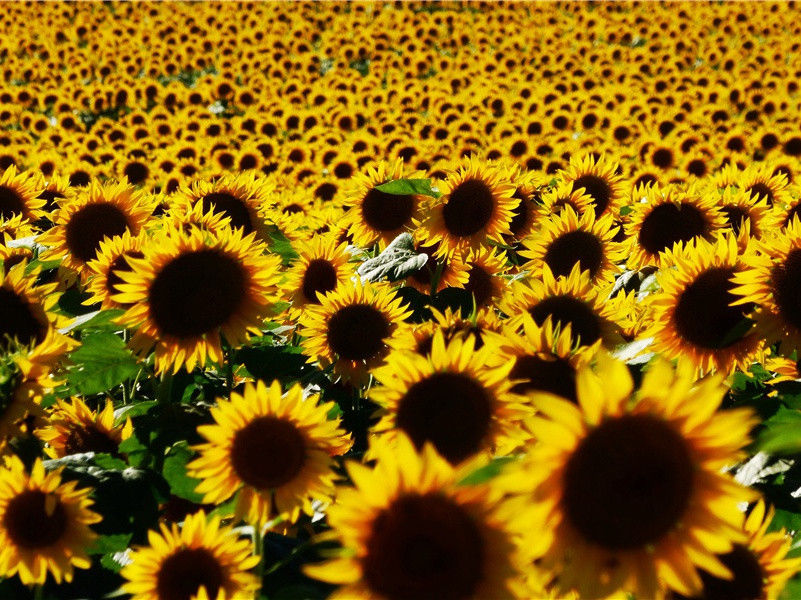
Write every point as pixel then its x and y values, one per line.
pixel 111 463
pixel 279 244
pixel 396 262
pixel 487 472
pixel 115 562
pixel 101 363
pixel 408 187
pixel 99 319
pixel 181 484
pixel 106 544
pixel 782 433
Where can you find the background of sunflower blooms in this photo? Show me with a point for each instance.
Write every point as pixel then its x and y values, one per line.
pixel 400 300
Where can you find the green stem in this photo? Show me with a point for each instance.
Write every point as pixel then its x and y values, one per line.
pixel 229 369
pixel 165 388
pixel 38 592
pixel 258 550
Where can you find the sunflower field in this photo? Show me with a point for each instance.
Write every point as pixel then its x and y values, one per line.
pixel 400 301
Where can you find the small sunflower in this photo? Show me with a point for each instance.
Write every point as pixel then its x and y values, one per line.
pixel 739 207
pixel 669 217
pixel 89 217
pixel 189 289
pixel 112 257
pixel 409 530
pixel 561 196
pixel 352 328
pixel 420 337
pixel 44 524
pixel 599 180
pixel 376 216
pixel 439 272
pixel 73 428
pixel 693 317
pixel 19 195
pixel 567 239
pixel 321 266
pixel 633 484
pixel 529 187
pixel 476 207
pixel 761 183
pixel 201 559
pixel 242 198
pixel 274 451
pixel 759 567
pixel 449 398
pixel 485 270
pixel 185 217
pixel 573 301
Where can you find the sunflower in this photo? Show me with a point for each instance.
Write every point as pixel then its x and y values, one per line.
pixel 376 216
pixel 87 218
pixel 561 196
pixel 202 558
pixel 567 239
pixel 739 207
pixel 692 315
pixel 571 301
pixel 669 217
pixel 486 267
pixel 111 258
pixel 599 180
pixel 189 289
pixel 759 567
pixel 528 188
pixel 771 283
pixel 321 266
pixel 19 195
pixel 633 484
pixel 761 183
pixel 20 397
pixel 352 328
pixel 44 524
pixel 274 451
pixel 242 198
pixel 476 207
pixel 185 217
pixel 449 398
pixel 409 530
pixel 439 272
pixel 545 358
pixel 73 428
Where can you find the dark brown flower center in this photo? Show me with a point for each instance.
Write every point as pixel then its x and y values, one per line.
pixel 51 198
pixel 387 212
pixel 761 190
pixel 197 292
pixel 703 315
pixel 232 207
pixel 425 547
pixel 786 283
pixel 11 203
pixel 544 374
pixel 184 572
pixel 575 247
pixel 748 582
pixel 119 264
pixel 734 217
pixel 628 483
pixel 450 410
pixel 357 332
pixel 469 208
pixel 92 223
pixel 18 321
pixel 520 214
pixel 668 223
pixel 320 276
pixel 28 522
pixel 585 324
pixel 479 283
pixel 597 188
pixel 88 438
pixel 136 172
pixel 268 452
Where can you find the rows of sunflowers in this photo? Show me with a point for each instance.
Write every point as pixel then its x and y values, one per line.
pixel 400 300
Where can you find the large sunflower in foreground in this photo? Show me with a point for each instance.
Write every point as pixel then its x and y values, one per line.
pixel 669 217
pixel 178 563
pixel 772 282
pixel 599 179
pixel 450 398
pixel 73 428
pixel 759 568
pixel 568 239
pixel 633 482
pixel 242 198
pixel 475 207
pixel 693 314
pixel 191 289
pixel 44 524
pixel 274 451
pixel 321 266
pixel 352 328
pixel 409 530
pixel 376 216
pixel 83 221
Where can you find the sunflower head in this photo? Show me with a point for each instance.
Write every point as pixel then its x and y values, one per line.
pixel 112 257
pixel 74 428
pixel 599 179
pixel 19 195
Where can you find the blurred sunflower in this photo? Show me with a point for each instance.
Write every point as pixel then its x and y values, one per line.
pixel 410 530
pixel 44 524
pixel 634 487
pixel 352 328
pixel 201 558
pixel 191 289
pixel 449 398
pixel 73 428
